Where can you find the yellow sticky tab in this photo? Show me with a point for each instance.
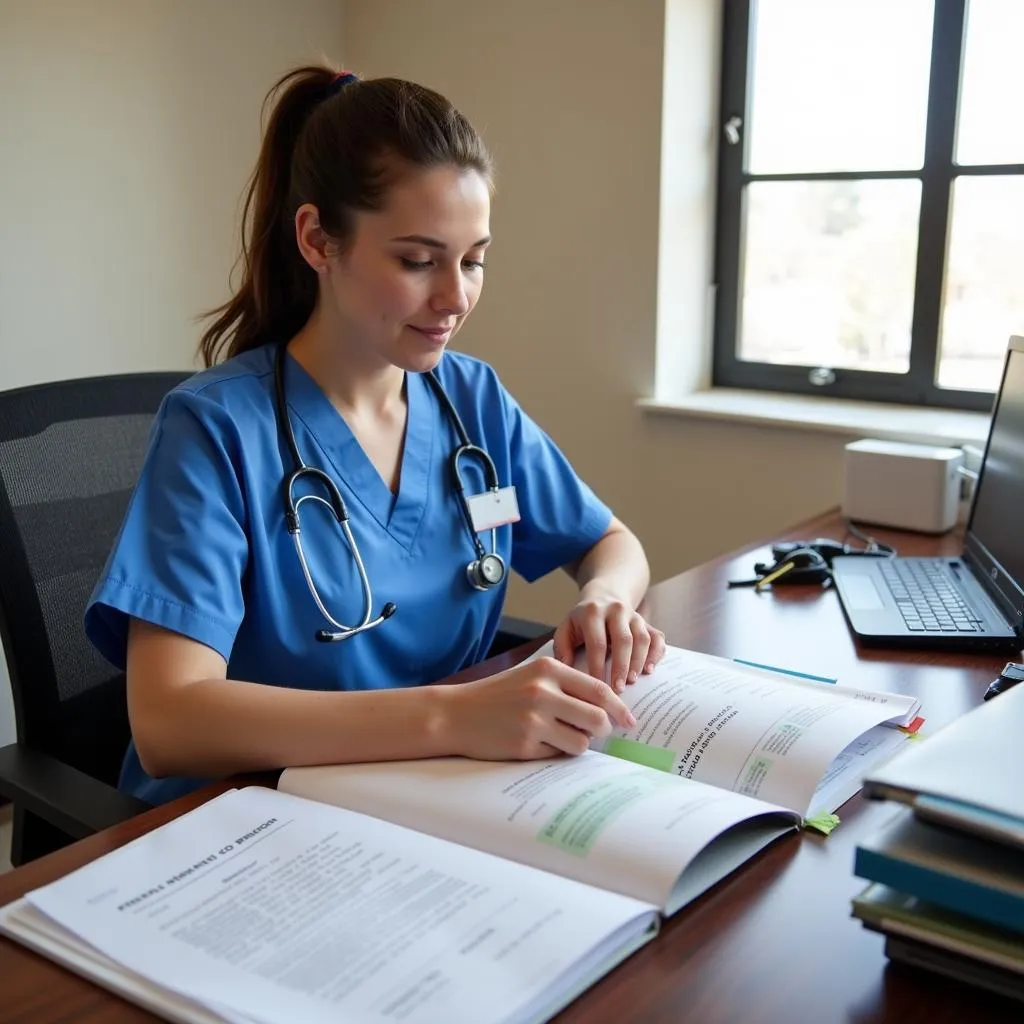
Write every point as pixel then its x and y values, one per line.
pixel 822 822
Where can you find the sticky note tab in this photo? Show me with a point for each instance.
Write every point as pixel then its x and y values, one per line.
pixel 822 822
pixel 911 730
pixel 641 753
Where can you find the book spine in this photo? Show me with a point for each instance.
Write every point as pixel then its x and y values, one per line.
pixel 985 903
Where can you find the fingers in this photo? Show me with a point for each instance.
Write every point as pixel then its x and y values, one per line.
pixel 656 651
pixel 595 641
pixel 640 655
pixel 564 643
pixel 594 692
pixel 565 739
pixel 620 635
pixel 586 718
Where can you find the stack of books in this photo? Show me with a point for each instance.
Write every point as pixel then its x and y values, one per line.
pixel 947 871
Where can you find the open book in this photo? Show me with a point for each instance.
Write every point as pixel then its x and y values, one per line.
pixel 724 759
pixel 461 890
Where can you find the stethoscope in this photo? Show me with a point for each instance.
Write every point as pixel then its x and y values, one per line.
pixel 486 571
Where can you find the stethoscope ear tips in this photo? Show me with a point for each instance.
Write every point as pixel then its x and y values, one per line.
pixel 326 636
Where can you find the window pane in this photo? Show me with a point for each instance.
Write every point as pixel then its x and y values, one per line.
pixel 983 296
pixel 828 276
pixel 839 85
pixel 990 128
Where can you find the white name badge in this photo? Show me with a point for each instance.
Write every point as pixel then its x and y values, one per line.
pixel 493 508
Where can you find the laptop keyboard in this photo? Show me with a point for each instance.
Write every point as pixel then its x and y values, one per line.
pixel 926 598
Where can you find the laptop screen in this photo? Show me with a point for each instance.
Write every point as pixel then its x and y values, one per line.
pixel 994 531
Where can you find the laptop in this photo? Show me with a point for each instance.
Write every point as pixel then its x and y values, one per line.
pixel 973 601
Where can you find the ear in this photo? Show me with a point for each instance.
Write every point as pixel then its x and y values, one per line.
pixel 310 237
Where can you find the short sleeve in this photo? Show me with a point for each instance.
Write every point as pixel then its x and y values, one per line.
pixel 182 549
pixel 560 516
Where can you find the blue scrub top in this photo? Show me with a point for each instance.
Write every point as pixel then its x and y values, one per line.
pixel 204 551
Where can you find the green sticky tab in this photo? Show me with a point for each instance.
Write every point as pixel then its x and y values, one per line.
pixel 641 753
pixel 822 822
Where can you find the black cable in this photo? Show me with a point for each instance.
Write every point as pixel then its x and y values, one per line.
pixel 872 544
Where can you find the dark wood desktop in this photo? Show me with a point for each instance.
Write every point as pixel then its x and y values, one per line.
pixel 772 943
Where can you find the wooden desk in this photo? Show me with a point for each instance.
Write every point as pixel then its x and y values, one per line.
pixel 773 943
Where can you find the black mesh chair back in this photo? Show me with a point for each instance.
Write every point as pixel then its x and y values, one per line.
pixel 70 453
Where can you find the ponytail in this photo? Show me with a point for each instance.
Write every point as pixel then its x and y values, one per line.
pixel 336 142
pixel 278 289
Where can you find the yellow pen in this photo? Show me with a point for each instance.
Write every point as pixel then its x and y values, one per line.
pixel 765 580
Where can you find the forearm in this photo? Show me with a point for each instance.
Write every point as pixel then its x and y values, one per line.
pixel 218 727
pixel 615 566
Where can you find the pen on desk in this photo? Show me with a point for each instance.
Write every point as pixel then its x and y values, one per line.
pixel 765 580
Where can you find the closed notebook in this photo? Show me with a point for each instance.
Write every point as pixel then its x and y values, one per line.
pixel 891 912
pixel 967 775
pixel 947 868
pixel 952 965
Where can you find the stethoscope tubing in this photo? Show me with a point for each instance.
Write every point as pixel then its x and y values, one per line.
pixel 337 507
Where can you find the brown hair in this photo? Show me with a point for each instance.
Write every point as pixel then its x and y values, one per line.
pixel 336 142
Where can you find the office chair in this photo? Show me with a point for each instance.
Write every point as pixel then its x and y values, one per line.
pixel 70 453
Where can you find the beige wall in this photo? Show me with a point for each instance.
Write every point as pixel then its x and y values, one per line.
pixel 127 130
pixel 569 96
pixel 128 127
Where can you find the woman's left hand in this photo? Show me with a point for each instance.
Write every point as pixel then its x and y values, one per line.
pixel 609 628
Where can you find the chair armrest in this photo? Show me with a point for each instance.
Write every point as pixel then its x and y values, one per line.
pixel 512 632
pixel 68 799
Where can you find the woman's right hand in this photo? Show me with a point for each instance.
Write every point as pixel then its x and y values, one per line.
pixel 538 709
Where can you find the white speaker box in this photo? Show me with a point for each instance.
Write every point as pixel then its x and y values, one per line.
pixel 907 486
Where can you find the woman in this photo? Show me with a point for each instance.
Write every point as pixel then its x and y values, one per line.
pixel 367 225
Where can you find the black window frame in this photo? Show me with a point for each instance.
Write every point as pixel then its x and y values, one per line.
pixel 939 171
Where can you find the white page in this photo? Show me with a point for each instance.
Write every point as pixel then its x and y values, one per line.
pixel 748 730
pixel 965 762
pixel 845 775
pixel 280 909
pixel 580 817
pixel 29 926
pixel 901 708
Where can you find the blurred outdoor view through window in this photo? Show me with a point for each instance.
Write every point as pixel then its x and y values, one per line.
pixel 829 268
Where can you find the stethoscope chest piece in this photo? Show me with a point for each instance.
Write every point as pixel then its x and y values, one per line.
pixel 487 572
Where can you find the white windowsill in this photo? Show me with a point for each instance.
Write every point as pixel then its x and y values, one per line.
pixel 829 415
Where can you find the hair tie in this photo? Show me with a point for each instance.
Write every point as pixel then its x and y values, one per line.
pixel 340 80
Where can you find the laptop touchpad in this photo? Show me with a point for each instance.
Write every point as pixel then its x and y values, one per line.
pixel 859 593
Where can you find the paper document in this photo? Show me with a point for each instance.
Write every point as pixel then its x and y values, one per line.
pixel 269 908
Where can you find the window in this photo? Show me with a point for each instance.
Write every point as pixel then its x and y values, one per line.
pixel 870 223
